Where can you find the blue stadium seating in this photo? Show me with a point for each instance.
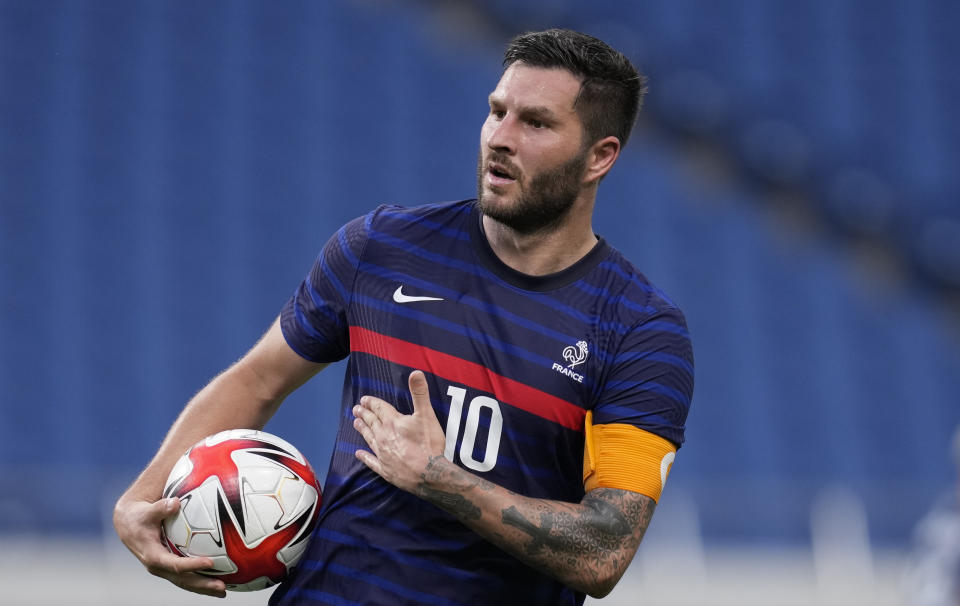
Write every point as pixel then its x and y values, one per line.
pixel 169 170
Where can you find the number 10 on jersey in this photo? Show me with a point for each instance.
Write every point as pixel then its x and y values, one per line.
pixel 458 396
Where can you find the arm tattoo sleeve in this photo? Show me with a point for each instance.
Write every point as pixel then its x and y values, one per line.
pixel 600 534
pixel 587 545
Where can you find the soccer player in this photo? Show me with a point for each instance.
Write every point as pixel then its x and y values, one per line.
pixel 516 390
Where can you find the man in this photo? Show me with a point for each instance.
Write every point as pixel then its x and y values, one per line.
pixel 516 390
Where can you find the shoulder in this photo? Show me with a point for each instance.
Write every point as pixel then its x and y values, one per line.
pixel 429 226
pixel 388 220
pixel 635 299
pixel 437 213
pixel 649 380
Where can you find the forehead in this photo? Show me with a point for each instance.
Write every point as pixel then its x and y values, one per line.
pixel 526 86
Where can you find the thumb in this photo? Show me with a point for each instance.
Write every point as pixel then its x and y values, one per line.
pixel 420 393
pixel 164 508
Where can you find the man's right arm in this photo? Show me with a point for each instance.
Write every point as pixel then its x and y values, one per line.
pixel 245 395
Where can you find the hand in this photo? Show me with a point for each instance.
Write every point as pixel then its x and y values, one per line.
pixel 401 445
pixel 138 525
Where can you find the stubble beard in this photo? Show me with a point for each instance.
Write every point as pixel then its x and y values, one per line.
pixel 542 204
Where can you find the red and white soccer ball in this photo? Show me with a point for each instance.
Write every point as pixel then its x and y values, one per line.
pixel 249 501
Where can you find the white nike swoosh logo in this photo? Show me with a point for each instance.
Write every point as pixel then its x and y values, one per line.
pixel 399 297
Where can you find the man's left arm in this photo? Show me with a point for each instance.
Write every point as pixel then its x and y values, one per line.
pixel 586 545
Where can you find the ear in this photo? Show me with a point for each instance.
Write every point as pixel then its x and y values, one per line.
pixel 601 157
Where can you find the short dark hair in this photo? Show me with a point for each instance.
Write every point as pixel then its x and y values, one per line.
pixel 611 90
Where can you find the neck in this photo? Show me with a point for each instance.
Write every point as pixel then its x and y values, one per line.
pixel 546 252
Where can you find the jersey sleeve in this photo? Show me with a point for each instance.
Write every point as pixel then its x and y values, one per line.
pixel 314 320
pixel 650 385
pixel 639 421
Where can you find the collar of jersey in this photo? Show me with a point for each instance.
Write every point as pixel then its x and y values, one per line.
pixel 491 261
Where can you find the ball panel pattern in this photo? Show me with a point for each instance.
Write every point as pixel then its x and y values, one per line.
pixel 249 501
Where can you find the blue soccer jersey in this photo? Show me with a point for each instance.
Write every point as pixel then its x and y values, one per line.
pixel 513 362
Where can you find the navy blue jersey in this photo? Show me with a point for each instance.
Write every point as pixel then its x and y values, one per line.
pixel 513 363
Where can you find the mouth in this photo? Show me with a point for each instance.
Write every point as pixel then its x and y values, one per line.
pixel 499 174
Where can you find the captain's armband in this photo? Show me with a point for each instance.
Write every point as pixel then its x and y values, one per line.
pixel 618 455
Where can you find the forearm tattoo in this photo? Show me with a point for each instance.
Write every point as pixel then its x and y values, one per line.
pixel 586 540
pixel 452 501
pixel 577 543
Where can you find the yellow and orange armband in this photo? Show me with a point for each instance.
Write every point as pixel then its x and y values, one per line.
pixel 617 455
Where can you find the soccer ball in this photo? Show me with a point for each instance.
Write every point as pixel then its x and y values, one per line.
pixel 248 500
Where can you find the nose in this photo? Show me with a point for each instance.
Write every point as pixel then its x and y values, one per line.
pixel 500 135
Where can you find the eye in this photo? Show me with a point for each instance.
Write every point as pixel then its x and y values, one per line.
pixel 536 123
pixel 498 113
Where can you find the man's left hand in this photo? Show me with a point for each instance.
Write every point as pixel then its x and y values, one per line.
pixel 401 445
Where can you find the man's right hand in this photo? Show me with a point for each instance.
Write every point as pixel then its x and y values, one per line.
pixel 138 523
pixel 245 395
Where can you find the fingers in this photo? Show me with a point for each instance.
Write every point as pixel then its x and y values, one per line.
pixel 366 418
pixel 162 509
pixel 163 563
pixel 381 411
pixel 371 410
pixel 179 570
pixel 400 444
pixel 362 422
pixel 198 583
pixel 183 572
pixel 370 461
pixel 138 523
pixel 417 383
pixel 420 393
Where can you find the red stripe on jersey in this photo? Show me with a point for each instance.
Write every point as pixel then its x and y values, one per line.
pixel 452 368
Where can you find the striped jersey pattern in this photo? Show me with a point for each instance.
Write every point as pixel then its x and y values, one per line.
pixel 513 363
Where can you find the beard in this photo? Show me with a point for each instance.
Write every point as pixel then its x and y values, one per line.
pixel 543 201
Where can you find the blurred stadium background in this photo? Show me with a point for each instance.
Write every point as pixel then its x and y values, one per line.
pixel 168 171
